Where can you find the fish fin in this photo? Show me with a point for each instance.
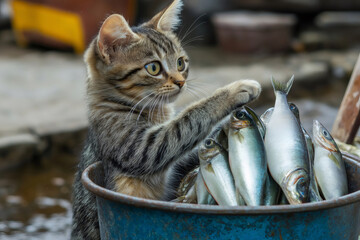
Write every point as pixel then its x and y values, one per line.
pixel 209 168
pixel 335 159
pixel 282 87
pixel 240 136
pixel 239 198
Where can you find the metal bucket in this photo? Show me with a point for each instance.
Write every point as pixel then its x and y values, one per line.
pixel 125 217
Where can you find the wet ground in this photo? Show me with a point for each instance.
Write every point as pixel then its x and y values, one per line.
pixel 35 200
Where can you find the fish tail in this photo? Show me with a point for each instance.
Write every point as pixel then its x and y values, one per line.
pixel 282 87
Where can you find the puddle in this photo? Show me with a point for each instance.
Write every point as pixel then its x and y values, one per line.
pixel 35 202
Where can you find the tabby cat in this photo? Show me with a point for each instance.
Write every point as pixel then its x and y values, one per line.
pixel 134 74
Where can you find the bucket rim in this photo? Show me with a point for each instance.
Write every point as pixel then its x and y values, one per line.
pixel 102 192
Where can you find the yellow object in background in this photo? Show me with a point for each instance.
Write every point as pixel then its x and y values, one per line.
pixel 63 26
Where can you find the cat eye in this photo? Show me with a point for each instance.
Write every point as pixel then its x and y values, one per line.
pixel 153 68
pixel 180 64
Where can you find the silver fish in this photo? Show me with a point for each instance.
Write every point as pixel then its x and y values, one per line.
pixel 186 190
pixel 215 170
pixel 283 200
pixel 265 117
pixel 313 188
pixel 273 191
pixel 247 158
pixel 259 123
pixel 203 196
pixel 220 137
pixel 329 167
pixel 286 148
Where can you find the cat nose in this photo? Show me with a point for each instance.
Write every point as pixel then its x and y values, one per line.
pixel 178 80
pixel 179 83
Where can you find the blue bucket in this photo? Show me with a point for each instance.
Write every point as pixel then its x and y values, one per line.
pixel 126 217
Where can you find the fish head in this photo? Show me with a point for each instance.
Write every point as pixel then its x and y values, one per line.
pixel 296 186
pixel 323 138
pixel 295 110
pixel 188 181
pixel 240 119
pixel 259 123
pixel 208 150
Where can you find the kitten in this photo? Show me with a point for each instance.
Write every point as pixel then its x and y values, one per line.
pixel 134 75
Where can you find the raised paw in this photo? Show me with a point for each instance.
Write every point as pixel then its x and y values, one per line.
pixel 252 87
pixel 244 91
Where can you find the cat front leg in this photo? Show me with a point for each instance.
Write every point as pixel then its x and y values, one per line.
pixel 164 144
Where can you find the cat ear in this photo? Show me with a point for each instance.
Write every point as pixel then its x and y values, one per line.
pixel 114 32
pixel 168 19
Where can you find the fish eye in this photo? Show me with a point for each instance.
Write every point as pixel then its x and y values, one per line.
pixel 325 133
pixel 180 64
pixel 302 186
pixel 153 68
pixel 208 143
pixel 240 114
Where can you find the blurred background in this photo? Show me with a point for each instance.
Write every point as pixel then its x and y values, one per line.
pixel 43 119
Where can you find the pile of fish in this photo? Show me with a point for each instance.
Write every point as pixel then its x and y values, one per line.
pixel 266 160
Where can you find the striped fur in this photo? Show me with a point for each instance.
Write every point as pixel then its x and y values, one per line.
pixel 132 128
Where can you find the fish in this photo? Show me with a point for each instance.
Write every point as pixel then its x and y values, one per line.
pixel 329 166
pixel 186 191
pixel 273 192
pixel 283 200
pixel 259 123
pixel 202 194
pixel 286 150
pixel 220 136
pixel 215 170
pixel 247 157
pixel 313 188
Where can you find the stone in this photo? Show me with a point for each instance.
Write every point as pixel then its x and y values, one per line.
pixel 17 149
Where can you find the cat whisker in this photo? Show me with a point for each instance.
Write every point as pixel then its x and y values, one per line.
pixel 197 80
pixel 161 108
pixel 142 109
pixel 199 84
pixel 193 27
pixel 192 93
pixel 167 102
pixel 197 38
pixel 200 87
pixel 153 107
pixel 134 107
pixel 198 90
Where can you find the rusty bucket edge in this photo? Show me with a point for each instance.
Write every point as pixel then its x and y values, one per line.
pixel 210 209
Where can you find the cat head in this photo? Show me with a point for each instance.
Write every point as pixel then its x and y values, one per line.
pixel 135 62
